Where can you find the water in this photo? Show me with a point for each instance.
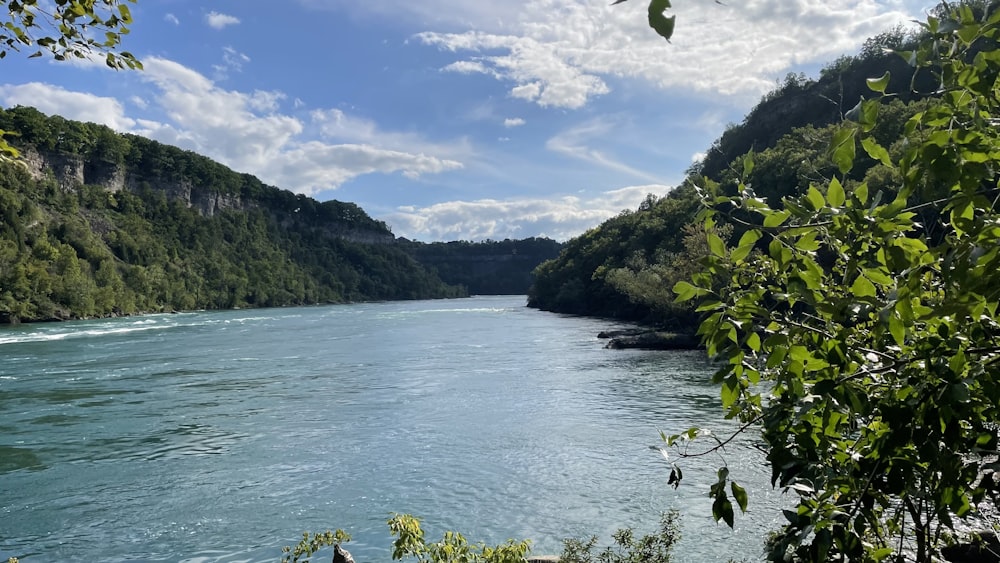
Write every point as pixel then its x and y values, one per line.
pixel 221 436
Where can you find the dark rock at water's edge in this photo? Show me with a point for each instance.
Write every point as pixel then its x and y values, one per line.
pixel 341 555
pixel 645 339
pixel 985 550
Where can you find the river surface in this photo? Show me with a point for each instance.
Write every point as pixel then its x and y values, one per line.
pixel 221 436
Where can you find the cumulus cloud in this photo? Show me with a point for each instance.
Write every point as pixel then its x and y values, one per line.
pixel 247 132
pixel 559 52
pixel 71 105
pixel 218 20
pixel 513 122
pixel 541 73
pixel 559 218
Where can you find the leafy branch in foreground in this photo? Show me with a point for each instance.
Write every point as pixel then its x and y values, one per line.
pixel 66 30
pixel 453 547
pixel 864 341
pixel 652 548
pixel 410 542
pixel 310 544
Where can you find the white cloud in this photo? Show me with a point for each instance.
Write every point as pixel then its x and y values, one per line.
pixel 232 61
pixel 542 73
pixel 217 20
pixel 559 52
pixel 513 122
pixel 575 143
pixel 471 67
pixel 172 19
pixel 79 106
pixel 246 132
pixel 336 125
pixel 559 218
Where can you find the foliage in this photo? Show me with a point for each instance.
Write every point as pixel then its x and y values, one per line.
pixel 577 282
pixel 490 267
pixel 181 232
pixel 649 283
pixel 453 547
pixel 67 29
pixel 652 548
pixel 789 129
pixel 310 544
pixel 861 340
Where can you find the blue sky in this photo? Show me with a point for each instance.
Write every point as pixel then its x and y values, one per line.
pixel 452 119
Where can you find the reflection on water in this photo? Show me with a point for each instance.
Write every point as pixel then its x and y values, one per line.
pixel 221 436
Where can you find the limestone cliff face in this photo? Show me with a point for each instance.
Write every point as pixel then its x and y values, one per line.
pixel 71 171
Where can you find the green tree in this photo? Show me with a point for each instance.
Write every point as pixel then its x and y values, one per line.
pixel 863 343
pixel 66 29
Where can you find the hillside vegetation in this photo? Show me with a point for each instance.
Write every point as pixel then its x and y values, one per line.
pixel 96 223
pixel 625 268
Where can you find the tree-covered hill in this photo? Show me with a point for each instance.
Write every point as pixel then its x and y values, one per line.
pixel 625 267
pixel 99 223
pixel 490 267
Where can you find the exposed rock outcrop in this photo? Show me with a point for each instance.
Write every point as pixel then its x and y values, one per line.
pixel 646 339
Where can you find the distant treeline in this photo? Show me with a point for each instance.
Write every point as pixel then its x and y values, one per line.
pixel 97 223
pixel 625 268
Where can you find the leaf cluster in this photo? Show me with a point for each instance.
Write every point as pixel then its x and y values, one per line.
pixel 452 548
pixel 651 548
pixel 310 544
pixel 183 233
pixel 861 341
pixel 69 29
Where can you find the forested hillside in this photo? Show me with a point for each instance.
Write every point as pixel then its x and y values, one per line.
pixel 625 268
pixel 98 223
pixel 490 267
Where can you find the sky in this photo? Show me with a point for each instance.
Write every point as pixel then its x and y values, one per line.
pixel 453 119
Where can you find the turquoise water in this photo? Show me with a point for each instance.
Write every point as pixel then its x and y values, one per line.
pixel 221 436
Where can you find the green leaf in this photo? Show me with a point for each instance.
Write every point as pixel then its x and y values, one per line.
pixel 835 193
pixel 896 329
pixel 740 494
pixel 663 25
pixel 876 151
pixel 776 218
pixel 716 245
pixel 863 288
pixel 879 84
pixel 685 291
pixel 815 198
pixel 842 149
pixel 722 509
pixel 881 554
pixel 125 13
pixel 861 192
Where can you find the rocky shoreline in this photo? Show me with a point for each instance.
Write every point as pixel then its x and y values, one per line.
pixel 649 339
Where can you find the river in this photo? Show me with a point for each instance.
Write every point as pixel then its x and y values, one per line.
pixel 221 436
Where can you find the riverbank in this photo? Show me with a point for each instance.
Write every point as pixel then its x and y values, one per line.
pixel 649 339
